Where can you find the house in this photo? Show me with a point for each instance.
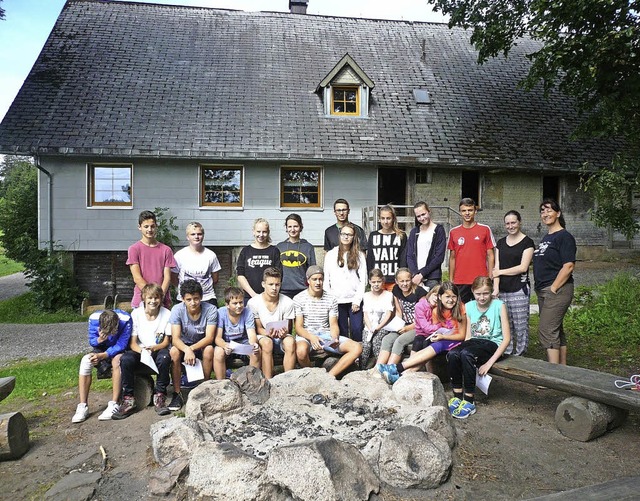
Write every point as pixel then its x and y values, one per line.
pixel 224 116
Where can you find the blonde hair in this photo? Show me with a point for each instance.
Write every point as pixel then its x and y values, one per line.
pixel 390 209
pixel 263 221
pixel 194 225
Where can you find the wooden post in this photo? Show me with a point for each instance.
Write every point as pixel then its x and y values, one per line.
pixel 583 420
pixel 7 384
pixel 14 436
pixel 143 390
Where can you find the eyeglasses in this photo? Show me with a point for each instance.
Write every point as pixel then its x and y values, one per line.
pixel 346 235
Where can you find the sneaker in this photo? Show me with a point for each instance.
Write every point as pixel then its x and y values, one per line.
pixel 107 414
pixel 160 404
pixel 389 372
pixel 82 411
pixel 464 410
pixel 176 402
pixel 126 408
pixel 454 403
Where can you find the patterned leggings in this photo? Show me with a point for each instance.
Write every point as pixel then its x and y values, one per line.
pixel 372 348
pixel 518 312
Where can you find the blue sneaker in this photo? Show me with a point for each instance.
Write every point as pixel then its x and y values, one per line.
pixel 464 410
pixel 454 403
pixel 389 372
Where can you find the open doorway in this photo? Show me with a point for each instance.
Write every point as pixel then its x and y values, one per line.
pixel 392 186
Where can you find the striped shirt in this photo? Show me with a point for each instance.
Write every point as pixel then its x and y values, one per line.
pixel 315 311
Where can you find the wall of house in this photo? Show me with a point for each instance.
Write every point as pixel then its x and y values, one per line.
pixel 99 237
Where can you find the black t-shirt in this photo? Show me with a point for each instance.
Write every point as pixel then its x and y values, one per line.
pixel 252 262
pixel 408 303
pixel 509 257
pixel 555 250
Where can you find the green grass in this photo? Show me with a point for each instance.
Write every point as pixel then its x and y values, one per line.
pixel 21 310
pixel 51 376
pixel 8 267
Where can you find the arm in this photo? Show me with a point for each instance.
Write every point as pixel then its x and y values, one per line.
pixel 137 276
pixel 384 321
pixel 506 339
pixel 175 278
pixel 490 262
pixel 214 277
pixel 523 267
pixel 562 276
pixel 370 261
pixel 410 254
pixel 452 265
pixel 362 283
pixel 496 275
pixel 124 336
pixel 208 339
pixel 166 279
pixel 334 328
pixel 244 285
pixel 301 331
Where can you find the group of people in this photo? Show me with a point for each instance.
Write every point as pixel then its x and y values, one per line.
pixel 285 302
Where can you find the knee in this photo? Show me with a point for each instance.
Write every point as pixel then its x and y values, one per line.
pixel 85 365
pixel 175 354
pixel 266 345
pixel 289 344
pixel 218 353
pixel 115 361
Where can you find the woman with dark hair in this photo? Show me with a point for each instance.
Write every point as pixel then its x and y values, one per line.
pixel 426 246
pixel 511 279
pixel 345 278
pixel 296 255
pixel 553 264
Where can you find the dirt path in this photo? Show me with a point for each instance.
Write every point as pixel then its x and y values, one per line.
pixel 509 450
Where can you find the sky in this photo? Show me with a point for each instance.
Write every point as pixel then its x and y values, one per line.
pixel 28 23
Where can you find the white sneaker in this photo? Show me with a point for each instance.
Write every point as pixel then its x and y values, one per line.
pixel 112 407
pixel 82 411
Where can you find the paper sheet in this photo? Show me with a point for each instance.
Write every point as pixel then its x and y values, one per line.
pixel 241 349
pixel 483 382
pixel 396 324
pixel 147 359
pixel 194 372
pixel 280 324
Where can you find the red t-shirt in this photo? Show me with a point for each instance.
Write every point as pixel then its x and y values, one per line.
pixel 470 246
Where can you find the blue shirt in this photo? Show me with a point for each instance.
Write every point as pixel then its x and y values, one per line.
pixel 235 332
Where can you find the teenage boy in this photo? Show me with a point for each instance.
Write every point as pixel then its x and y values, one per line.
pixel 109 334
pixel 235 323
pixel 471 245
pixel 271 306
pixel 198 263
pixel 152 334
pixel 150 261
pixel 193 328
pixel 332 233
pixel 317 325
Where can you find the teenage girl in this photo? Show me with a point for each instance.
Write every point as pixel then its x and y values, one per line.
pixel 378 308
pixel 345 278
pixel 406 294
pixel 511 279
pixel 386 246
pixel 296 255
pixel 488 335
pixel 439 328
pixel 255 258
pixel 426 247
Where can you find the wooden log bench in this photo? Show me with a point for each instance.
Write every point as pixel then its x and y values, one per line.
pixel 596 406
pixel 14 431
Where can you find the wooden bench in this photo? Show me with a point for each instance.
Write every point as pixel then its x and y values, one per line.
pixel 597 405
pixel 14 431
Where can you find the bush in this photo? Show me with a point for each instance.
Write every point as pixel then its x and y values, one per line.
pixel 609 313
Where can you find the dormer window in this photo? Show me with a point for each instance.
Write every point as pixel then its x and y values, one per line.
pixel 345 101
pixel 346 90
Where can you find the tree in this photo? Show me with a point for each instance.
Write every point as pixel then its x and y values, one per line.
pixel 19 208
pixel 590 51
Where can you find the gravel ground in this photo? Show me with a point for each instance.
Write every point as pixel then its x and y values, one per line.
pixel 54 340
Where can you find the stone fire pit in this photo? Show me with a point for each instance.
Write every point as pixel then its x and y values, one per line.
pixel 305 435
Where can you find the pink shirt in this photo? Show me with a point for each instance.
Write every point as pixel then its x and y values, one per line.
pixel 152 262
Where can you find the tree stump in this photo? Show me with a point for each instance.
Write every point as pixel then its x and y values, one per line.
pixel 143 390
pixel 14 436
pixel 7 384
pixel 583 420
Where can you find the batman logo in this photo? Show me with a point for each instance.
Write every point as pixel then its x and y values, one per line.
pixel 293 258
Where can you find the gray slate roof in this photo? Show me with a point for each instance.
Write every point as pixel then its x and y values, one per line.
pixel 127 79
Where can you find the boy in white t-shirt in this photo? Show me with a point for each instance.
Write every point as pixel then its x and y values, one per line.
pixel 271 306
pixel 151 332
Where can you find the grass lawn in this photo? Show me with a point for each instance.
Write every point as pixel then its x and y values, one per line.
pixel 8 266
pixel 21 310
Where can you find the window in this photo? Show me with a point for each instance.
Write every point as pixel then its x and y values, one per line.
pixel 221 186
pixel 300 187
pixel 110 185
pixel 423 176
pixel 345 101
